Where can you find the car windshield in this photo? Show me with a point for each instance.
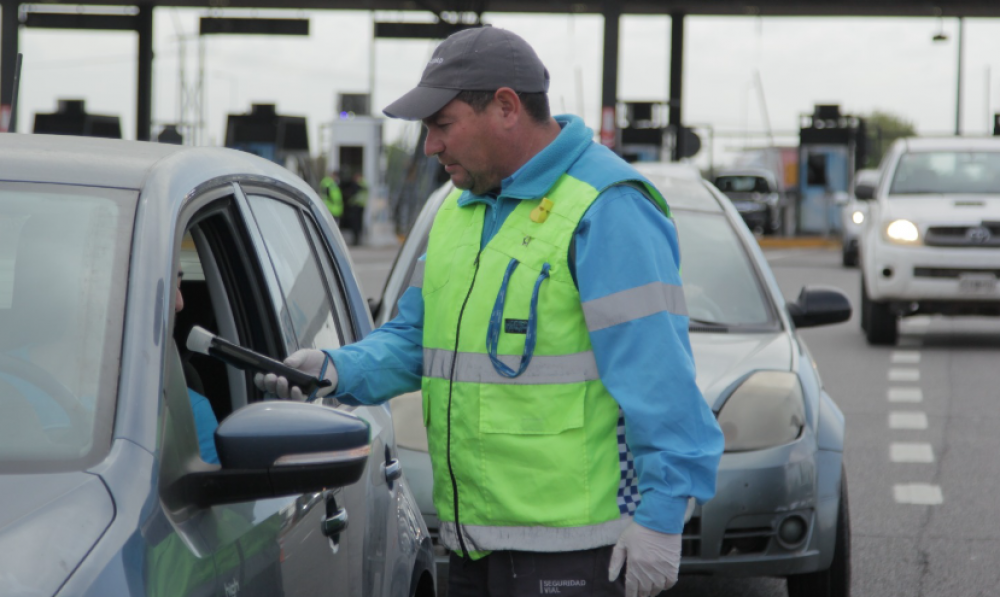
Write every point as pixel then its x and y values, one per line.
pixel 947 172
pixel 63 254
pixel 721 285
pixel 742 184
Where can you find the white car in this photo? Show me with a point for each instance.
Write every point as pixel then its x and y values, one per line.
pixel 931 243
pixel 852 218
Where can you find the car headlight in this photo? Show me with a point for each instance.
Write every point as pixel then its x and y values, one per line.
pixel 902 231
pixel 766 410
pixel 858 217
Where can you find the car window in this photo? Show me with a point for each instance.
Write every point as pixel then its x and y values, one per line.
pixel 721 285
pixel 306 300
pixel 63 267
pixel 742 184
pixel 951 172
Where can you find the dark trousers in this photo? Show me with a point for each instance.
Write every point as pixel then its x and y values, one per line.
pixel 526 573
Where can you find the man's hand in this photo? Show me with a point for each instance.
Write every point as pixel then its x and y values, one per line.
pixel 307 360
pixel 653 559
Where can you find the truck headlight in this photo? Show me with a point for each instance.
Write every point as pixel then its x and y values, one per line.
pixel 858 217
pixel 902 231
pixel 766 410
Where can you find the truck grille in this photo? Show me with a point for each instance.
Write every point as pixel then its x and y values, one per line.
pixel 986 235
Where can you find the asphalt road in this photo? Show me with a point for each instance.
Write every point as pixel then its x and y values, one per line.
pixel 922 442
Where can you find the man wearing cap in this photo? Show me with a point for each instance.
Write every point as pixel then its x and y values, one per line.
pixel 547 328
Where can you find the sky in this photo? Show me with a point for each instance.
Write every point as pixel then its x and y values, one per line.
pixel 743 76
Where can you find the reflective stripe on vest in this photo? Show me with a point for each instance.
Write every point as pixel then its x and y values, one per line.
pixel 547 539
pixel 634 303
pixel 477 368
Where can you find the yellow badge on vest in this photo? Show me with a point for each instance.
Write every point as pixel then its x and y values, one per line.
pixel 541 213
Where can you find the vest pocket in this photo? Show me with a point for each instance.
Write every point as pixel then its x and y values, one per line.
pixel 534 455
pixel 531 409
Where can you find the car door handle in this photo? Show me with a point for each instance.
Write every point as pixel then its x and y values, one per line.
pixel 335 524
pixel 393 470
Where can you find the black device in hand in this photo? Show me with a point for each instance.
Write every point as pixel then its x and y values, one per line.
pixel 203 341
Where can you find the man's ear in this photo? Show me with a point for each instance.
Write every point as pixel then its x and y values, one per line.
pixel 509 105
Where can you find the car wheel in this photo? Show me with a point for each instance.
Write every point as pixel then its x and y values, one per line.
pixel 836 580
pixel 880 324
pixel 849 258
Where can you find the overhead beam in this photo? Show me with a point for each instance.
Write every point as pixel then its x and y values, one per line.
pixel 252 26
pixel 439 30
pixel 784 8
pixel 73 20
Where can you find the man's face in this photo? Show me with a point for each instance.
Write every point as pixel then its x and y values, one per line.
pixel 464 142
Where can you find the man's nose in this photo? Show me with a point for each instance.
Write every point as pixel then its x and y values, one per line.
pixel 432 145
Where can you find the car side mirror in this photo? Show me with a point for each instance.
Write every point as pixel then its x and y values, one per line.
pixel 819 306
pixel 277 448
pixel 864 192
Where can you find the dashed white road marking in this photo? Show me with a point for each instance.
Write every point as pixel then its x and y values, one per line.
pixel 918 493
pixel 907 420
pixel 906 357
pixel 911 452
pixel 919 321
pixel 906 395
pixel 904 374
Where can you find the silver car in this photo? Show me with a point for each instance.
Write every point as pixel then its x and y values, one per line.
pixel 781 508
pixel 106 479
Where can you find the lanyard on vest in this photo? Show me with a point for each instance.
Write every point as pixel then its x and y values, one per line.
pixel 493 332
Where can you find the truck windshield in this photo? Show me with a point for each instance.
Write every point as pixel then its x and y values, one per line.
pixel 947 172
pixel 63 259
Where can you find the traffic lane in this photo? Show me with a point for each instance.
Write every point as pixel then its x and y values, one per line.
pixel 908 549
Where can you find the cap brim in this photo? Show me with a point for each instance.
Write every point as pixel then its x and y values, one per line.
pixel 420 102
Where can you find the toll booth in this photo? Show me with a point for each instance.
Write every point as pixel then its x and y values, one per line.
pixel 830 146
pixel 71 118
pixel 643 126
pixel 356 147
pixel 272 136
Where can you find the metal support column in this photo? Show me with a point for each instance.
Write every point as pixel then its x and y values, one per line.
pixel 609 84
pixel 8 55
pixel 144 80
pixel 676 81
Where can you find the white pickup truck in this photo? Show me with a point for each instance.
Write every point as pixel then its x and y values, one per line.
pixel 931 241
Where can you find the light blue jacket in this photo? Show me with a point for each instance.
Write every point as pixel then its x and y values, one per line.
pixel 622 242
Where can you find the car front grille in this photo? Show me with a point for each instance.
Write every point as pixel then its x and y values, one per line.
pixel 951 272
pixel 986 235
pixel 741 542
pixel 691 538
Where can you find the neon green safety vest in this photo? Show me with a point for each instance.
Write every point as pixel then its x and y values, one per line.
pixel 332 197
pixel 534 458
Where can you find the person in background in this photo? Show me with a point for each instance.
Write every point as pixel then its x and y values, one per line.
pixel 355 199
pixel 547 328
pixel 332 196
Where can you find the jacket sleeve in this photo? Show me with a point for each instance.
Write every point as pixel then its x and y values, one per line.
pixel 627 269
pixel 389 361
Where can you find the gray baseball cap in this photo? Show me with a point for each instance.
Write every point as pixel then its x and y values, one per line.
pixel 480 59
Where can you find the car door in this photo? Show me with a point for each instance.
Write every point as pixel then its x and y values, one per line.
pixel 261 547
pixel 312 306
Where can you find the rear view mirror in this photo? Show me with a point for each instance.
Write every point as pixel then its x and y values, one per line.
pixel 864 192
pixel 819 306
pixel 276 448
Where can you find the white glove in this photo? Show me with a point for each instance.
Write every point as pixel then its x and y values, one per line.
pixel 653 559
pixel 306 360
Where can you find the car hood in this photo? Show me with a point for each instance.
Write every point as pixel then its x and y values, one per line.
pixel 942 209
pixel 48 523
pixel 724 359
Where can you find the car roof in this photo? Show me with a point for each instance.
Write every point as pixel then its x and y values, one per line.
pixel 680 184
pixel 114 163
pixel 951 143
